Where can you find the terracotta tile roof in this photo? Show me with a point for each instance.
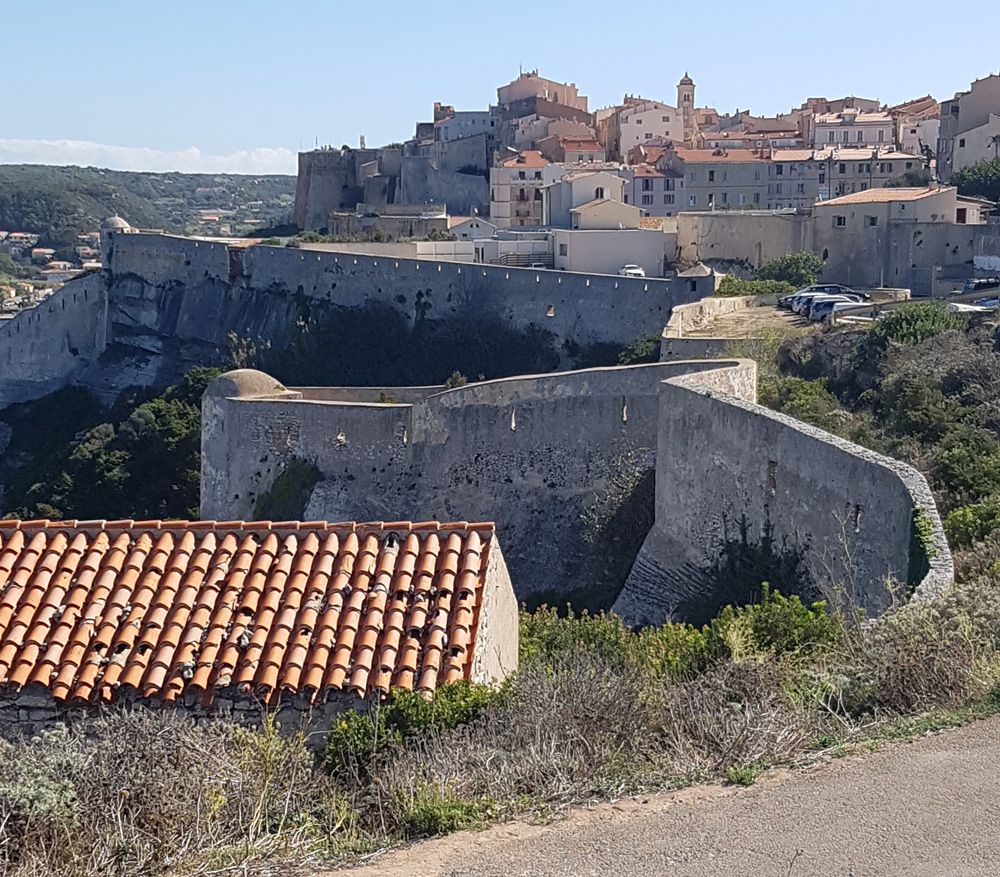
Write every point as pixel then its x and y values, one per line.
pixel 713 156
pixel 883 196
pixel 174 610
pixel 581 144
pixel 529 158
pixel 646 170
pixel 652 222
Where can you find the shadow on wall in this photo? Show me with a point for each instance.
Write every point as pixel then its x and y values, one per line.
pixel 375 346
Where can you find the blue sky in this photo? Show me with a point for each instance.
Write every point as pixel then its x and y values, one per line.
pixel 219 85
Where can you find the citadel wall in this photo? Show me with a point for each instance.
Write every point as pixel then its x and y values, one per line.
pixel 533 454
pixel 43 347
pixel 723 458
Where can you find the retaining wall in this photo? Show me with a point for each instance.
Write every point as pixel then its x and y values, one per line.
pixel 722 457
pixel 532 454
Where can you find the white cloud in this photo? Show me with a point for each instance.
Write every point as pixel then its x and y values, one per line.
pixel 127 158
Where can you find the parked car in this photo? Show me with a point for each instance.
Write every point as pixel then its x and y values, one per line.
pixel 795 301
pixel 823 307
pixel 631 271
pixel 957 307
pixel 981 283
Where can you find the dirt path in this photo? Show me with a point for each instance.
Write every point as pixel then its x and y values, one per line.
pixel 929 808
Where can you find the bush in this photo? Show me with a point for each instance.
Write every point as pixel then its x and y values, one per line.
pixel 910 324
pixel 798 269
pixel 776 625
pixel 733 286
pixel 646 349
pixel 973 523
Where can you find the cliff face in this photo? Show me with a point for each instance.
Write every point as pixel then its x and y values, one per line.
pixel 165 303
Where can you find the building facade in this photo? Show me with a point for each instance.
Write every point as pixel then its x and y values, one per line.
pixel 516 190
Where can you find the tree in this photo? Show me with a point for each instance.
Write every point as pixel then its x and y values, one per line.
pixel 799 269
pixel 981 180
pixel 910 179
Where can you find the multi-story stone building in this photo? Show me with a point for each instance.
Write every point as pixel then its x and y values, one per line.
pixel 515 190
pixel 852 127
pixel 655 191
pixel 967 126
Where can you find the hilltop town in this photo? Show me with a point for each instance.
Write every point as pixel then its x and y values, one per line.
pixel 554 455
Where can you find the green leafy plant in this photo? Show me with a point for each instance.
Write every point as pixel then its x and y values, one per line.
pixel 798 269
pixel 733 286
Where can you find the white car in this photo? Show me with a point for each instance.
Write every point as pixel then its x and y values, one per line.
pixel 631 271
pixel 823 304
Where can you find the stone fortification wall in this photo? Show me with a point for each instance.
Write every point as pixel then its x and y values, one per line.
pixel 44 347
pixel 753 238
pixel 531 453
pixel 422 183
pixel 722 457
pixel 697 316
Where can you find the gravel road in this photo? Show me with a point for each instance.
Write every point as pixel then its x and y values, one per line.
pixel 927 808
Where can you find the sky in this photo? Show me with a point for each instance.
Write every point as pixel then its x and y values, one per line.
pixel 219 86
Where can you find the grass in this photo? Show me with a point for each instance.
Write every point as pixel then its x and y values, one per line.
pixel 595 712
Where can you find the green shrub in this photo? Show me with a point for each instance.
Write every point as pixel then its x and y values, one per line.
pixel 431 812
pixel 910 324
pixel 777 625
pixel 742 775
pixel 733 286
pixel 798 269
pixel 656 653
pixel 646 349
pixel 358 738
pixel 973 523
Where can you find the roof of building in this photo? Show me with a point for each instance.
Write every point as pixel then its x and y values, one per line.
pixel 698 270
pixel 113 223
pixel 647 170
pixel 581 144
pixel 856 117
pixel 653 222
pixel 686 80
pixel 712 156
pixel 171 610
pixel 528 158
pixel 885 196
pixel 921 105
pixel 597 202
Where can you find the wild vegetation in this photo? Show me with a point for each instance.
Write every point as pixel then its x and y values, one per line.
pixel 60 203
pixel 595 711
pixel 981 180
pixel 778 277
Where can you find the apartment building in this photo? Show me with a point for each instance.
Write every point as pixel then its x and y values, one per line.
pixel 655 191
pixel 962 124
pixel 852 127
pixel 515 190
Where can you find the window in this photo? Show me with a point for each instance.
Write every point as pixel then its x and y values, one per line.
pixel 711 199
pixel 664 118
pixel 842 169
pixel 711 176
pixel 520 175
pixel 864 187
pixel 691 177
pixel 847 136
pixel 669 184
pixel 822 177
pixel 668 199
pixel 871 221
pixel 743 198
pixel 961 142
pixel 647 185
pixel 538 175
pixel 839 221
pixel 638 121
pixel 961 216
pixel 756 197
pixel 563 249
pixel 647 199
pixel 777 189
pixel 692 200
pixel 909 165
pixel 881 135
pixel 725 176
pixel 779 170
pixel 861 136
pixel 756 174
pixel 626 199
pixel 802 188
pixel 725 197
pixel 832 137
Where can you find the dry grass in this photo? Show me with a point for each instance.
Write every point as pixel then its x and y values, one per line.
pixel 594 713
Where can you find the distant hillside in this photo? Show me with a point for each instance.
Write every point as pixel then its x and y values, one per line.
pixel 61 202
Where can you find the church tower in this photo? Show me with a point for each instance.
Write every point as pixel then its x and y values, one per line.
pixel 685 103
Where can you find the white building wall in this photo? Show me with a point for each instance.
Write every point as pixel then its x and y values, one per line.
pixel 605 252
pixel 649 121
pixel 976 145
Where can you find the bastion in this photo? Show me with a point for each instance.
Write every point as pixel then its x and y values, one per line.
pixel 559 460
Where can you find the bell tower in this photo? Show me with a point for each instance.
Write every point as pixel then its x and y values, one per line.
pixel 685 103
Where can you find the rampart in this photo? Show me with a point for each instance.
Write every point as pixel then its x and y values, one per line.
pixel 165 303
pixel 723 460
pixel 698 316
pixel 552 458
pixel 44 347
pixel 540 455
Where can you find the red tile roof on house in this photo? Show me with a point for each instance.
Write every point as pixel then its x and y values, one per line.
pixel 170 610
pixel 712 156
pixel 529 158
pixel 581 144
